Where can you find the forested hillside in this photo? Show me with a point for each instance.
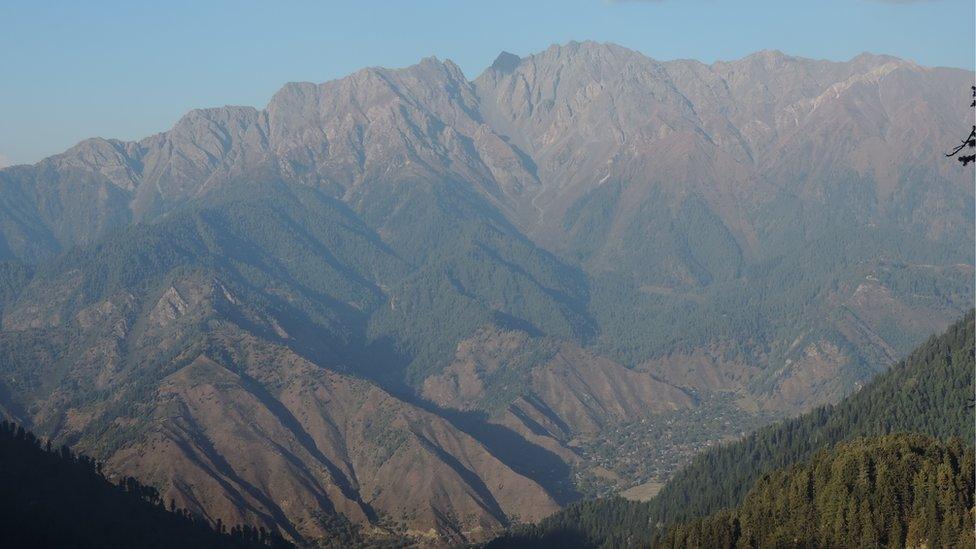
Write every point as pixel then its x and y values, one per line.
pixel 55 498
pixel 895 491
pixel 929 392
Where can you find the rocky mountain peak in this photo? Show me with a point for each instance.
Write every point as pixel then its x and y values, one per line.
pixel 506 62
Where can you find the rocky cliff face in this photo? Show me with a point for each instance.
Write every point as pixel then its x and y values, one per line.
pixel 412 302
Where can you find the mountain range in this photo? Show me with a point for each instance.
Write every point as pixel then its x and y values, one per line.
pixel 432 307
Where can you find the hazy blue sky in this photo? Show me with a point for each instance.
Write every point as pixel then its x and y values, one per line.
pixel 70 70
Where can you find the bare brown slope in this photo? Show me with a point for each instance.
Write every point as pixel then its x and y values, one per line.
pixel 245 430
pixel 548 389
pixel 325 443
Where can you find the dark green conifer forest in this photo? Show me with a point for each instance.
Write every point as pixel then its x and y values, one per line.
pixel 901 490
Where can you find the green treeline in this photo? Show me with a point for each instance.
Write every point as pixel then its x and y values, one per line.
pixel 55 498
pixel 930 392
pixel 902 490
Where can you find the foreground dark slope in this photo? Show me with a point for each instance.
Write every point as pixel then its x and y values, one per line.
pixel 419 303
pixel 929 392
pixel 59 499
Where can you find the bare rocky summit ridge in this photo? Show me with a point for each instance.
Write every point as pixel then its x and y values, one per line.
pixel 410 303
pixel 546 129
pixel 736 133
